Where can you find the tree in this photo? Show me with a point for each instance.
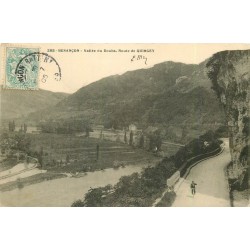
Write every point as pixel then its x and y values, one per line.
pixel 4 136
pixel 94 197
pixel 13 126
pixel 87 130
pixel 155 141
pixel 141 142
pixel 24 128
pixel 97 151
pixel 78 203
pixel 10 126
pixel 67 158
pixel 158 142
pixel 151 142
pixel 69 129
pixel 131 138
pixel 22 142
pixel 125 138
pixel 40 160
pixel 41 151
pixel 184 132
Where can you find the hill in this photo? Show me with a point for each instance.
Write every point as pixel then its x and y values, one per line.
pixel 19 103
pixel 175 97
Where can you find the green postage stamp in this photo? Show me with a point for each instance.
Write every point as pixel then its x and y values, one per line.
pixel 21 68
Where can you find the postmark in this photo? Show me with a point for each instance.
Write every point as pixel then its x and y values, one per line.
pixel 27 67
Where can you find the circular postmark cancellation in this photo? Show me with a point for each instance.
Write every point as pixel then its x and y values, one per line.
pixel 35 62
pixel 27 67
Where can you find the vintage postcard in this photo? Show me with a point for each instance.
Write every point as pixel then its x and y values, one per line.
pixel 124 125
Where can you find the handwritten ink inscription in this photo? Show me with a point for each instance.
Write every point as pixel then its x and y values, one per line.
pixel 139 58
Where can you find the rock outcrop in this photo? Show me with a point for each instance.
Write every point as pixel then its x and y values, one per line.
pixel 229 72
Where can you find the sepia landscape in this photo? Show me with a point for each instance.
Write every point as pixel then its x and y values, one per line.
pixel 136 139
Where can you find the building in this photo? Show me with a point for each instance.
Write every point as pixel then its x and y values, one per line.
pixel 132 128
pixel 99 127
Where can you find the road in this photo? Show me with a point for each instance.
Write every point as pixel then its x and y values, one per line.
pixel 212 186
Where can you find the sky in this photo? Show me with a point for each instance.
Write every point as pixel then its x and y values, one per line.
pixel 86 63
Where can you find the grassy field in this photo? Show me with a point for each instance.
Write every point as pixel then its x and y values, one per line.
pixel 82 153
pixel 169 150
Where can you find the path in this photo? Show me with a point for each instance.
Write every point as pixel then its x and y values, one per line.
pixel 212 185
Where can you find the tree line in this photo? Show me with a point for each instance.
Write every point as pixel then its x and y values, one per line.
pixel 12 127
pixel 66 127
pixel 154 138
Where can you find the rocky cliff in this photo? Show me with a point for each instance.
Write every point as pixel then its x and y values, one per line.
pixel 229 72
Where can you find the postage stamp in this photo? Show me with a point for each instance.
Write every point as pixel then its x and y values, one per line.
pixel 28 68
pixel 21 73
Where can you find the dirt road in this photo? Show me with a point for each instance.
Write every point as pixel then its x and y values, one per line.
pixel 212 186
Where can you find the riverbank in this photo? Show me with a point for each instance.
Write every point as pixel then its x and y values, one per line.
pixel 62 192
pixel 21 183
pixel 39 176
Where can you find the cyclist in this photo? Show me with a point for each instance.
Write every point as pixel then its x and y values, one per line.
pixel 192 186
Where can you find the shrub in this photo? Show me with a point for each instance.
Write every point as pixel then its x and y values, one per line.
pixel 167 200
pixel 78 203
pixel 222 131
pixel 142 189
pixel 246 122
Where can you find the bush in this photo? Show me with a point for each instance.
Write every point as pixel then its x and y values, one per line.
pixel 222 132
pixel 96 196
pixel 140 190
pixel 19 184
pixel 246 122
pixel 167 200
pixel 137 190
pixel 78 203
pixel 196 147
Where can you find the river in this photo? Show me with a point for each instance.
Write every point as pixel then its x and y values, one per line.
pixel 63 192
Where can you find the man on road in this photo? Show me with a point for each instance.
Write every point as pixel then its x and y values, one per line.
pixel 193 184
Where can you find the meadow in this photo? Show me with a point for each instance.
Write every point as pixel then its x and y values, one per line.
pixel 70 153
